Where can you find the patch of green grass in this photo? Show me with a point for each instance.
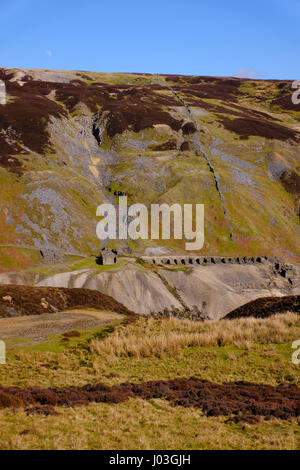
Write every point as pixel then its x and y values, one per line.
pixel 55 344
pixel 90 263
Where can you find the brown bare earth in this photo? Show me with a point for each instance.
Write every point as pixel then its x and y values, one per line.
pixel 39 327
pixel 266 306
pixel 16 301
pixel 241 401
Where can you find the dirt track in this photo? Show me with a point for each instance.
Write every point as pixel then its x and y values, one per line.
pixel 242 401
pixel 39 327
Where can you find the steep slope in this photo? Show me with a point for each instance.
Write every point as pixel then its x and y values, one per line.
pixel 210 291
pixel 18 301
pixel 71 140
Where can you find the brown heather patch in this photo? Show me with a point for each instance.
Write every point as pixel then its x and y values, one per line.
pixel 26 300
pixel 291 182
pixel 244 400
pixel 248 122
pixel 188 128
pixel 265 307
pixel 184 146
pixel 212 91
pixel 8 162
pixel 26 118
pixel 285 102
pixel 129 107
pixel 8 400
pixel 215 88
pixel 203 80
pixel 246 127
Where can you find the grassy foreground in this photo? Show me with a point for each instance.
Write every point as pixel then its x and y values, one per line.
pixel 252 350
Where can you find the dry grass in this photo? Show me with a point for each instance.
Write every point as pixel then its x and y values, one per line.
pixel 138 424
pixel 155 424
pixel 149 337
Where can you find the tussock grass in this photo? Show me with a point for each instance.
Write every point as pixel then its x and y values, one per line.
pixel 150 337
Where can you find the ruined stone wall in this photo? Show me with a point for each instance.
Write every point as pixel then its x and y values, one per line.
pixel 205 260
pixel 52 256
pixel 277 266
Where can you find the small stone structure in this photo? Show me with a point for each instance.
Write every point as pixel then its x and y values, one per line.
pixel 52 255
pixel 2 92
pixel 107 256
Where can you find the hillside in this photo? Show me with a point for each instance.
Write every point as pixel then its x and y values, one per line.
pixel 18 301
pixel 71 140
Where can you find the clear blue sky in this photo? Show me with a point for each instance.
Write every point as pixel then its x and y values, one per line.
pixel 259 38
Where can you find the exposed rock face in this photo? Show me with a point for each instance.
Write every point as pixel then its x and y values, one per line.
pixel 143 290
pixel 277 165
pixel 214 290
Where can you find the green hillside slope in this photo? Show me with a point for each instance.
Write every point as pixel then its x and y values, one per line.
pixel 71 140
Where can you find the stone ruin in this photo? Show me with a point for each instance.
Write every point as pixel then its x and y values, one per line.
pixel 205 260
pixel 52 255
pixel 278 266
pixel 107 257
